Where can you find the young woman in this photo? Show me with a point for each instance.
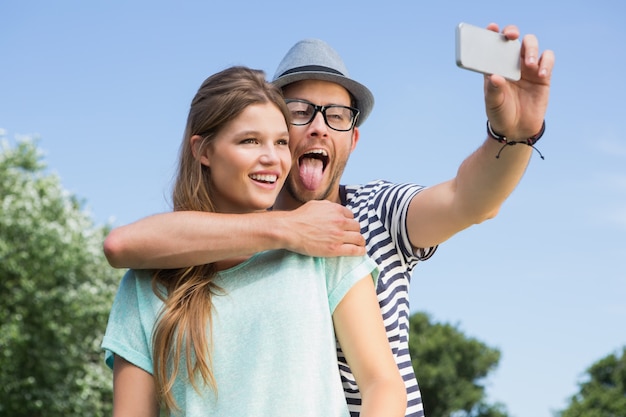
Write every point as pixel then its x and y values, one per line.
pixel 255 335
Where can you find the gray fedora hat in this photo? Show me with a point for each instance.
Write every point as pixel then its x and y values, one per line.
pixel 313 59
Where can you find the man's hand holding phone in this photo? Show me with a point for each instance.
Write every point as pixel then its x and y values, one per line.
pixel 517 77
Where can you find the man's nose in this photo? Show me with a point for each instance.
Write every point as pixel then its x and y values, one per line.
pixel 318 124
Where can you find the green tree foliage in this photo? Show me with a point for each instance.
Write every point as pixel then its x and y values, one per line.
pixel 603 392
pixel 450 367
pixel 57 290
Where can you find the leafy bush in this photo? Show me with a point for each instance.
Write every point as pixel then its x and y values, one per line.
pixel 57 289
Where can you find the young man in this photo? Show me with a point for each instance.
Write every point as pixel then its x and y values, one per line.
pixel 402 224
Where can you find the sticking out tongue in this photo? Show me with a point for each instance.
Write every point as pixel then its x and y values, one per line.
pixel 311 171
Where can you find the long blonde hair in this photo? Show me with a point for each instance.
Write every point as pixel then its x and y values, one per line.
pixel 183 327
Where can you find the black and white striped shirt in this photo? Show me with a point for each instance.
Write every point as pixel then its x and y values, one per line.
pixel 381 209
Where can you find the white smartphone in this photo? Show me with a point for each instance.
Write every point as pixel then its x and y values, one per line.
pixel 487 52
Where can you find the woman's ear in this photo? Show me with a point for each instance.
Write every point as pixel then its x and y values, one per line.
pixel 196 150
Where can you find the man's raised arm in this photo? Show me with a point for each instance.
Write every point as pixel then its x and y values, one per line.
pixel 515 111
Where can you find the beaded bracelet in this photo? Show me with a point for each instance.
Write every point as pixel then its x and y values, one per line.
pixel 505 142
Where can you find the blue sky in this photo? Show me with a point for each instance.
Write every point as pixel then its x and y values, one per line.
pixel 106 87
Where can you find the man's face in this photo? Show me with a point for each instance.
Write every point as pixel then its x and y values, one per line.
pixel 319 153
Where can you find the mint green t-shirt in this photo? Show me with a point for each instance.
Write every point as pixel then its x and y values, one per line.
pixel 274 347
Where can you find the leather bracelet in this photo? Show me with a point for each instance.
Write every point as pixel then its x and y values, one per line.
pixel 505 142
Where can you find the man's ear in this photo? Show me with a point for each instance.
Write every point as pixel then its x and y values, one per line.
pixel 196 150
pixel 355 138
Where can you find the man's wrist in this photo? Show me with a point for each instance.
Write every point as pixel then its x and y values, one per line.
pixel 276 228
pixel 503 139
pixel 507 142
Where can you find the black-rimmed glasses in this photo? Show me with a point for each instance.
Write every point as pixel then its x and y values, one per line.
pixel 341 118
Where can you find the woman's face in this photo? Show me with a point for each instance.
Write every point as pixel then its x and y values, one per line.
pixel 249 160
